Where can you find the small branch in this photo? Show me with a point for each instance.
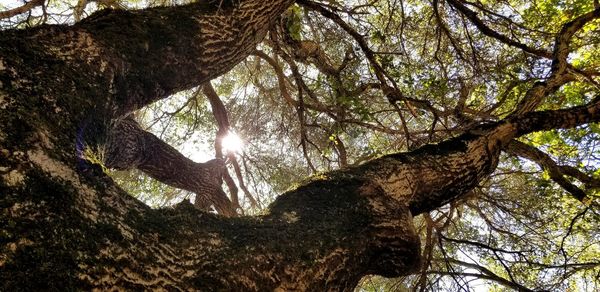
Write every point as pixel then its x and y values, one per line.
pixel 547 163
pixel 281 81
pixel 341 151
pixel 559 69
pixel 21 9
pixel 561 47
pixel 427 254
pixel 280 76
pixel 303 134
pixel 486 30
pixel 444 29
pixel 480 245
pixel 217 106
pixel 240 179
pixel 391 92
pixel 222 118
pixel 487 273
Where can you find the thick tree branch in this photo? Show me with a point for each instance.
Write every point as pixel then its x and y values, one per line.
pixel 164 50
pixel 129 146
pixel 450 169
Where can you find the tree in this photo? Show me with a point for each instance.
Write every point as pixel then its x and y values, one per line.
pixel 66 88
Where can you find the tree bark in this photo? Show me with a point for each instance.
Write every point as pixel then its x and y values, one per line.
pixel 65 225
pixel 129 146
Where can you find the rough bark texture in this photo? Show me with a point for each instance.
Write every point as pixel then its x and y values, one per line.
pixel 129 146
pixel 65 225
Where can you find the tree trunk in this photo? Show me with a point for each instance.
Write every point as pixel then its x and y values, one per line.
pixel 65 225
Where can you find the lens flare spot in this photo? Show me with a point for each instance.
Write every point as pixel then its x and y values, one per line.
pixel 232 143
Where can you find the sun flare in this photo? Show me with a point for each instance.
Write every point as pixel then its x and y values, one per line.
pixel 232 143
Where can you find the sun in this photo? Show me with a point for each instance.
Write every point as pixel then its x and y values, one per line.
pixel 232 143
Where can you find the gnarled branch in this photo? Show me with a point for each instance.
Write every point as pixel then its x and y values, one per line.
pixel 129 146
